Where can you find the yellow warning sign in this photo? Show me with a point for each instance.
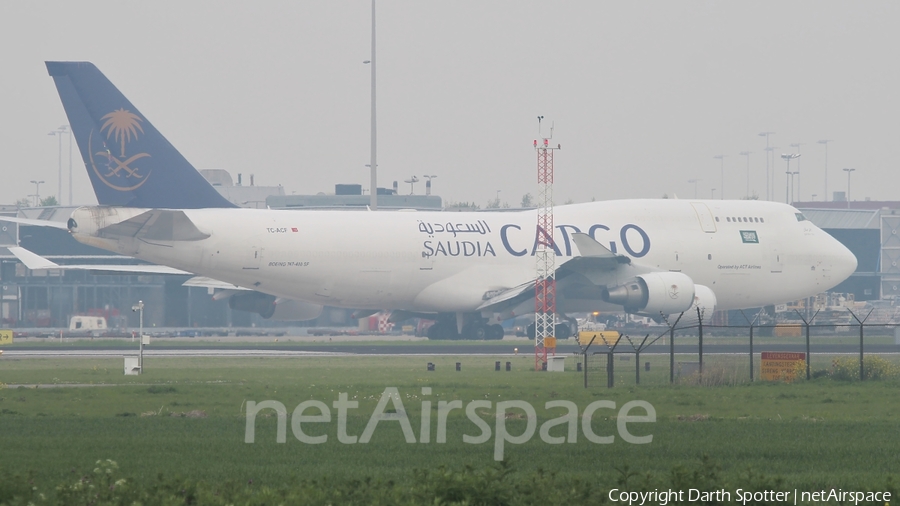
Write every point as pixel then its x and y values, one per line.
pixel 781 366
pixel 6 336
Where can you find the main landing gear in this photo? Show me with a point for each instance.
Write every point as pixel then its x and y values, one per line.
pixel 445 328
pixel 561 331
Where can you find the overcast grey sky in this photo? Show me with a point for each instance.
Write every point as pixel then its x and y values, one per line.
pixel 643 94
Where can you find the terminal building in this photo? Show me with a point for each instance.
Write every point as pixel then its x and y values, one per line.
pixel 871 230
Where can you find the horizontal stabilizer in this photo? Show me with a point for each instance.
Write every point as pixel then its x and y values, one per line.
pixel 156 225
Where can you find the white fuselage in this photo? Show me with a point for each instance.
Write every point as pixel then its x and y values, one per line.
pixel 749 253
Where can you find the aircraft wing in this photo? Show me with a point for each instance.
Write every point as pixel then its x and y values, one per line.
pixel 595 268
pixel 204 282
pixel 266 305
pixel 37 223
pixel 36 262
pixel 595 262
pixel 508 297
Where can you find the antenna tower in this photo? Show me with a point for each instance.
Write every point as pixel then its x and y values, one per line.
pixel 545 256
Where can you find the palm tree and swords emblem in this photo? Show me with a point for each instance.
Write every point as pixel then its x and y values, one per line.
pixel 123 127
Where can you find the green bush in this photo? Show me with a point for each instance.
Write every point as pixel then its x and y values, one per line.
pixel 874 368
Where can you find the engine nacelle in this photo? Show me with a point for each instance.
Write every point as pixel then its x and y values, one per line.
pixel 705 299
pixel 253 302
pixel 269 306
pixel 654 293
pixel 295 310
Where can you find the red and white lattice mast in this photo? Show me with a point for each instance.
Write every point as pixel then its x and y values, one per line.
pixel 545 255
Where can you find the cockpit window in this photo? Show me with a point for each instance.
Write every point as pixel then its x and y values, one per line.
pixel 800 216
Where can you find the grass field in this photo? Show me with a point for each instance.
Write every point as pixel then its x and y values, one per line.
pixel 186 418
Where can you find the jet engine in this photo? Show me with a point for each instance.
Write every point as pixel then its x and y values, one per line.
pixel 654 293
pixel 276 308
pixel 705 299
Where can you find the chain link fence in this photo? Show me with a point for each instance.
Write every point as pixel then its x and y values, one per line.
pixel 688 350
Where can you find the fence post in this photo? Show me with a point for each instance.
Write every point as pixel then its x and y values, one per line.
pixel 861 370
pixel 755 319
pixel 700 326
pixel 672 354
pixel 585 369
pixel 808 356
pixel 584 351
pixel 637 358
pixel 671 344
pixel 610 380
pixel 637 368
pixel 861 326
pixel 751 352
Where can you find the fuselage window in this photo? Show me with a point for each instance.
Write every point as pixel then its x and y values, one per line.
pixel 717 218
pixel 762 220
pixel 756 220
pixel 709 257
pixel 728 219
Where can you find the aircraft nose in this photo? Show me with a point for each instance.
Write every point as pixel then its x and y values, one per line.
pixel 843 261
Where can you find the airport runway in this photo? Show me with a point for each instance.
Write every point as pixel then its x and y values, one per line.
pixel 462 349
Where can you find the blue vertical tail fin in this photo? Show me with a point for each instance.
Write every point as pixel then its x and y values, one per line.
pixel 129 162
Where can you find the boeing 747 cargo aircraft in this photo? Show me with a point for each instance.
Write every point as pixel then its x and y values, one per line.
pixel 468 271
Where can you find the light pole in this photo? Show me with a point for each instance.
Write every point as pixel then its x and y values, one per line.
pixel 58 133
pixel 695 181
pixel 825 142
pixel 771 150
pixel 848 171
pixel 797 145
pixel 373 177
pixel 768 184
pixel 412 181
pixel 795 185
pixel 787 183
pixel 140 307
pixel 428 183
pixel 37 191
pixel 747 154
pixel 70 164
pixel 721 158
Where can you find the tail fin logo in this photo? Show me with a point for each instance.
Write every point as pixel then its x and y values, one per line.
pixel 116 168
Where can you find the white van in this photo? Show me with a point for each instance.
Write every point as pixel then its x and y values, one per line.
pixel 85 323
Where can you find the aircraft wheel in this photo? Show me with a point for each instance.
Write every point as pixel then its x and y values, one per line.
pixel 563 331
pixel 475 331
pixel 496 332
